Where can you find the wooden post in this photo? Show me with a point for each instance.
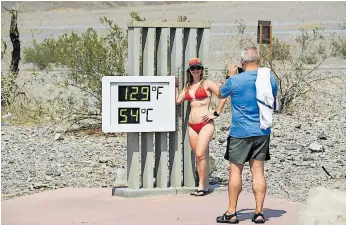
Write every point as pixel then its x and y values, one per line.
pixel 190 50
pixel 134 51
pixel 175 138
pixel 161 153
pixel 147 139
pixel 271 44
pixel 203 36
pixel 264 36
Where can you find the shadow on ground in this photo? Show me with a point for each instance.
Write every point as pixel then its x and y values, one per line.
pixel 247 214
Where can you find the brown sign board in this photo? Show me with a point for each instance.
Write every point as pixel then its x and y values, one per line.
pixel 265 32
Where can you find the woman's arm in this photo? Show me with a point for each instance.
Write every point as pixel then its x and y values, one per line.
pixel 214 88
pixel 221 105
pixel 179 98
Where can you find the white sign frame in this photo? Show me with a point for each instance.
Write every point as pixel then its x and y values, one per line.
pixel 110 104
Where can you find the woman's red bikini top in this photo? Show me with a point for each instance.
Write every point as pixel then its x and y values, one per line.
pixel 199 94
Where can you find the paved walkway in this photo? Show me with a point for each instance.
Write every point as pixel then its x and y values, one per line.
pixel 96 206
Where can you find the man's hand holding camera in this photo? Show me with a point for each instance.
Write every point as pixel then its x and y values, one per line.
pixel 232 70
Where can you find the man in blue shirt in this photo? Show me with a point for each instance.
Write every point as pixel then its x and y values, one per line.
pixel 247 142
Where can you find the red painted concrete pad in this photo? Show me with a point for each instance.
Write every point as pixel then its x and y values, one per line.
pixel 96 206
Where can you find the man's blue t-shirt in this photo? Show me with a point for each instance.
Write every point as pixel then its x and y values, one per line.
pixel 245 111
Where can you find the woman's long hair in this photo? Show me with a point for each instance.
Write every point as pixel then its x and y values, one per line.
pixel 189 78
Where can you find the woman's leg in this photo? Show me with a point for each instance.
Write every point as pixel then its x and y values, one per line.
pixel 204 138
pixel 193 137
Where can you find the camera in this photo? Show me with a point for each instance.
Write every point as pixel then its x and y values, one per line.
pixel 239 70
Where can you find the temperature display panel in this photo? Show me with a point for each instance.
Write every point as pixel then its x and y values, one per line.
pixel 138 104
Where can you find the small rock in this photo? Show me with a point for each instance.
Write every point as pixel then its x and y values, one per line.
pixel 322 136
pixel 212 164
pixel 58 137
pixel 103 160
pixel 39 186
pixel 298 126
pixel 308 158
pixel 49 178
pixel 110 164
pixel 278 134
pixel 222 140
pixel 224 128
pixel 273 145
pixel 214 180
pixel 316 147
pixel 87 170
pixel 293 146
pixel 313 165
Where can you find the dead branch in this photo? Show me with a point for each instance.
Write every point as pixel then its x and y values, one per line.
pixel 86 91
pixel 14 36
pixel 325 170
pixel 3 48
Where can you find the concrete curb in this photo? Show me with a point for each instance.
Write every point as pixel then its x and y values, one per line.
pixel 145 192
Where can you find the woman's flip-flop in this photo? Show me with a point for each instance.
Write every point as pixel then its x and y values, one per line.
pixel 199 192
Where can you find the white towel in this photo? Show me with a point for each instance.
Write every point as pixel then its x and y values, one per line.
pixel 265 98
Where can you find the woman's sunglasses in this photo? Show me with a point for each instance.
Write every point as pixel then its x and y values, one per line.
pixel 193 68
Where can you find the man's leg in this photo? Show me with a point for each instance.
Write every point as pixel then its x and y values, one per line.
pixel 259 154
pixel 234 186
pixel 259 185
pixel 236 153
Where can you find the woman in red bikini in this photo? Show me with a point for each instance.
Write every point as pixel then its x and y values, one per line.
pixel 198 91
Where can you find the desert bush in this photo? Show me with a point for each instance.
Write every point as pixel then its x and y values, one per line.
pixel 136 17
pixel 182 19
pixel 309 57
pixel 339 44
pixel 41 55
pixel 86 58
pixel 280 50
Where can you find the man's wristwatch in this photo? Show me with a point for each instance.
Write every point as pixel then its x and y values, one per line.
pixel 215 114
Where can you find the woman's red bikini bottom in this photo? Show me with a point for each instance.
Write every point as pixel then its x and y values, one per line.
pixel 198 126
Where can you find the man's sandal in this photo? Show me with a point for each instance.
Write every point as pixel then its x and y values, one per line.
pixel 199 193
pixel 227 218
pixel 255 220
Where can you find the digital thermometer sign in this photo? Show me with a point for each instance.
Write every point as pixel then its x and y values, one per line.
pixel 138 104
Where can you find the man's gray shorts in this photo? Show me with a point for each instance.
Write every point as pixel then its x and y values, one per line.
pixel 241 150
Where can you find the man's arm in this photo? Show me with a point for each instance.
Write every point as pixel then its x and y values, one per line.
pixel 223 91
